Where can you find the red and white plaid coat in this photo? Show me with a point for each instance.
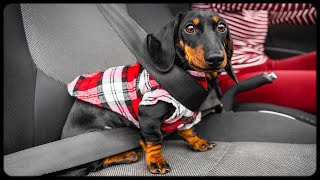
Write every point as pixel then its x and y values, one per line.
pixel 122 89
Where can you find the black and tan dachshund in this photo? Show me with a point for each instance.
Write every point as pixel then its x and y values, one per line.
pixel 198 40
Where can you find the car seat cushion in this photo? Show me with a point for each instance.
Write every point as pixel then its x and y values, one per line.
pixel 228 159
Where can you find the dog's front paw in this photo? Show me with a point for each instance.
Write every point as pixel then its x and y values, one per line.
pixel 201 145
pixel 158 165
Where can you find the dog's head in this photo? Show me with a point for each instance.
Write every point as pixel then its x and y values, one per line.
pixel 201 39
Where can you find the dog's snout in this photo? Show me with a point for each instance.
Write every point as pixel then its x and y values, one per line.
pixel 215 59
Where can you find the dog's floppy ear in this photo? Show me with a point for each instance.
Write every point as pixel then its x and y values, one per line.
pixel 229 50
pixel 161 45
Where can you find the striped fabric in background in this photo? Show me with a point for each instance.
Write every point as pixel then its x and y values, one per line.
pixel 248 23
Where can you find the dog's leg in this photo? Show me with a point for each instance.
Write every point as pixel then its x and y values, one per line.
pixel 127 157
pixel 122 158
pixel 150 118
pixel 195 143
pixel 154 159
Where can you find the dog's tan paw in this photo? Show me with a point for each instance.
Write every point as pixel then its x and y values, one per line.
pixel 158 165
pixel 201 145
pixel 122 158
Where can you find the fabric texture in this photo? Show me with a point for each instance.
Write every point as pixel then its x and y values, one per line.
pixel 123 89
pixel 19 78
pixel 50 111
pixel 227 159
pixel 66 40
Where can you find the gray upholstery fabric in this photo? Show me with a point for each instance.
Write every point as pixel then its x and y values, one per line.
pixel 66 40
pixel 52 106
pixel 19 79
pixel 228 159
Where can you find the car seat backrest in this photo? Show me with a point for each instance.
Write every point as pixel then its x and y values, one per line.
pixel 45 47
pixel 19 84
pixel 67 40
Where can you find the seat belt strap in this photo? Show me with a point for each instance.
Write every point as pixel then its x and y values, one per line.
pixel 70 152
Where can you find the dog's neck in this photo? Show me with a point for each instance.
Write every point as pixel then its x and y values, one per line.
pixel 184 65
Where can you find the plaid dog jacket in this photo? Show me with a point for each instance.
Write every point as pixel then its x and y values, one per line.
pixel 123 89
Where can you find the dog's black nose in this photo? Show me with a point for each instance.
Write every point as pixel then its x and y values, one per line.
pixel 214 60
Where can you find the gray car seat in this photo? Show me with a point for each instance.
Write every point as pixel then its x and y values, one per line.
pixel 47 45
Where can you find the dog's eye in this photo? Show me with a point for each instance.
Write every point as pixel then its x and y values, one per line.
pixel 221 27
pixel 189 29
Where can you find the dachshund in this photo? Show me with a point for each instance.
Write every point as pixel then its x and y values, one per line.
pixel 194 40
